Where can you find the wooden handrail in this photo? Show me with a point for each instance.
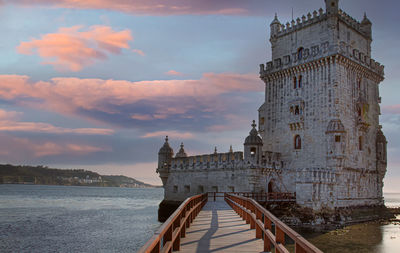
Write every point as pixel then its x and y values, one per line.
pixel 168 236
pixel 261 220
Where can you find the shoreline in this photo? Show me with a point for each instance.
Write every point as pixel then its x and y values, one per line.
pixel 87 185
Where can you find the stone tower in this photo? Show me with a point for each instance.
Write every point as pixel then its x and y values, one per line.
pixel 321 109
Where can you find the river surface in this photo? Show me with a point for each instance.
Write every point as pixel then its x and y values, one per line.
pixel 39 218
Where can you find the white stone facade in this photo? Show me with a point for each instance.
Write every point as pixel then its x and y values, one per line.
pixel 319 124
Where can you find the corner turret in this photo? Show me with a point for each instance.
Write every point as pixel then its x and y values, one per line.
pixel 275 26
pixel 252 146
pixel 332 7
pixel 366 26
pixel 164 160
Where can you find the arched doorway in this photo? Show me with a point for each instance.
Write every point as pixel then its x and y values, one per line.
pixel 271 186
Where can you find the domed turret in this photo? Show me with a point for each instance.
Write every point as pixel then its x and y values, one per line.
pixel 366 26
pixel 275 26
pixel 253 138
pixel 164 160
pixel 166 148
pixel 332 7
pixel 181 152
pixel 252 146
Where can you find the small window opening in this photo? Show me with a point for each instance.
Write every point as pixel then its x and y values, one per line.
pixel 201 189
pixel 262 121
pixel 175 190
pixel 252 152
pixel 337 138
pixel 297 142
pixel 297 110
pixel 187 188
pixel 294 82
pixel 333 4
pixel 300 53
pixel 360 143
pixel 300 81
pixel 359 111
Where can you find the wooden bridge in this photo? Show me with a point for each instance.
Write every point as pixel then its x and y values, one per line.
pixel 234 223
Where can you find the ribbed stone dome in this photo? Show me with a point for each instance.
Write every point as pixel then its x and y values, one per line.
pixel 166 148
pixel 253 137
pixel 181 152
pixel 275 21
pixel 335 126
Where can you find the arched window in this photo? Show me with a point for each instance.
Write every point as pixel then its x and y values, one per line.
pixel 300 53
pixel 360 143
pixel 294 82
pixel 300 81
pixel 297 142
pixel 297 110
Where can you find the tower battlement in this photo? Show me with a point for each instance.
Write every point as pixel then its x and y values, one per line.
pixel 299 23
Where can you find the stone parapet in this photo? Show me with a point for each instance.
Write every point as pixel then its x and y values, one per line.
pixel 354 59
pixel 316 17
pixel 305 21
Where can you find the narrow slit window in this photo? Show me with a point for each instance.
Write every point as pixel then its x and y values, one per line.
pixel 300 81
pixel 297 142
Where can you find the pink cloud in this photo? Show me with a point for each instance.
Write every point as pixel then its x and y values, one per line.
pixel 34 127
pixel 72 49
pixel 172 134
pixel 142 117
pixel 391 109
pixel 34 149
pixel 174 73
pixel 152 7
pixel 139 52
pixel 8 124
pixel 70 95
pixel 8 115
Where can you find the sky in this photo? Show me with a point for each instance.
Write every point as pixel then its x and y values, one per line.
pixel 97 84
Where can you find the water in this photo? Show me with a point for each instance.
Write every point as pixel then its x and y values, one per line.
pixel 377 237
pixel 38 218
pixel 392 199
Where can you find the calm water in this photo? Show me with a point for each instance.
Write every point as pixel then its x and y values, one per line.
pixel 37 218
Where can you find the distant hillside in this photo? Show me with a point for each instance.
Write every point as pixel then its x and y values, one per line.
pixel 12 174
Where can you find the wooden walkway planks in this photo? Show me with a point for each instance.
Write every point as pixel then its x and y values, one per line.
pixel 218 228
